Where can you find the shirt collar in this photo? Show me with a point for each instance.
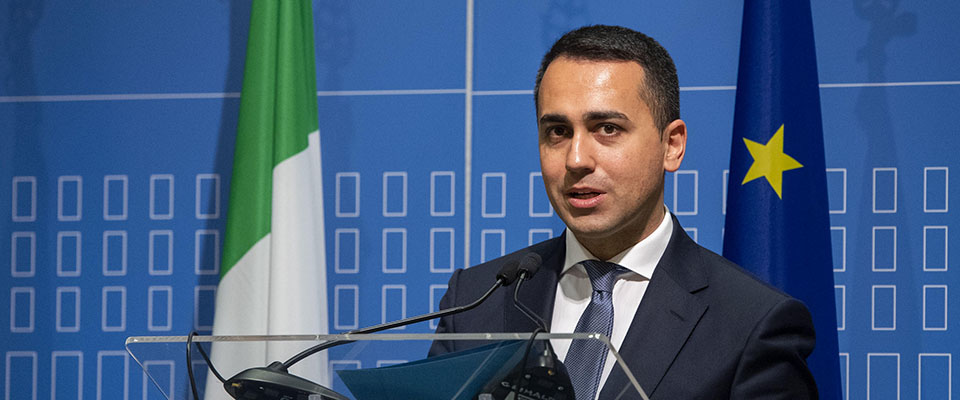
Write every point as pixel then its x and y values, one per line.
pixel 641 258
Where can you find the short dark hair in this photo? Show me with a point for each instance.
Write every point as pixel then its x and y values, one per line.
pixel 661 88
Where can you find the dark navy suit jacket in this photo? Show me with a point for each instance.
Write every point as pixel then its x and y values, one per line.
pixel 706 329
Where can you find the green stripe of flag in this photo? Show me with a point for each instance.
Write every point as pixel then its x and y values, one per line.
pixel 278 109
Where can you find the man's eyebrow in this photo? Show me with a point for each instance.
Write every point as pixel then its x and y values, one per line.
pixel 602 115
pixel 554 118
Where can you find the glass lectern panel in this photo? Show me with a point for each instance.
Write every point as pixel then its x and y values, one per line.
pixel 489 370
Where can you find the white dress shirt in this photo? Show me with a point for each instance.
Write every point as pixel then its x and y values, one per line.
pixel 574 289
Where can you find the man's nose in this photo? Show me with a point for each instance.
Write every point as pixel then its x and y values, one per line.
pixel 580 155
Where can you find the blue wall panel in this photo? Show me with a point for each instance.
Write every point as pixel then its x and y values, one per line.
pixel 116 142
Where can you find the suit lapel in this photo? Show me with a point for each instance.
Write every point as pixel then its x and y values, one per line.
pixel 667 315
pixel 539 292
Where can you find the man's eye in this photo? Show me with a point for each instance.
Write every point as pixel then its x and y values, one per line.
pixel 609 129
pixel 557 131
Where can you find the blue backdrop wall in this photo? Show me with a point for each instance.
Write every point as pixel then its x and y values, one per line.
pixel 116 140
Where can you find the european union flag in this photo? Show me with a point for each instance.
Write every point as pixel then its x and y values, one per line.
pixel 777 223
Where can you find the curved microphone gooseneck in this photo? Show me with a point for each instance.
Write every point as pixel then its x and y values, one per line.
pixel 505 277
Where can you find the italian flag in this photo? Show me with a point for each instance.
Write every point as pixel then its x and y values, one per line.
pixel 273 275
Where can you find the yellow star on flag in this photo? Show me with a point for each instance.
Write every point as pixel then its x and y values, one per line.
pixel 769 161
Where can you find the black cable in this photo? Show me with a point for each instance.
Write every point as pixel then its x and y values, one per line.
pixel 193 382
pixel 213 369
pixel 206 358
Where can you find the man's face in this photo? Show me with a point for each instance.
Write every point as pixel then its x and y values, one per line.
pixel 601 155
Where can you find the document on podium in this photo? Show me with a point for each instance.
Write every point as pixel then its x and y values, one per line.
pixel 459 375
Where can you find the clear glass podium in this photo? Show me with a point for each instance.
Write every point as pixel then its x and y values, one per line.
pixel 163 362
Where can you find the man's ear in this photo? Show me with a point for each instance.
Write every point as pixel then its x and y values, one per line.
pixel 674 145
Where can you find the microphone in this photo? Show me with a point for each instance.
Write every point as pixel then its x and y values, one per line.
pixel 509 272
pixel 274 381
pixel 529 265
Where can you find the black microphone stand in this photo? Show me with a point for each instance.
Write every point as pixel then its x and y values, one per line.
pixel 390 325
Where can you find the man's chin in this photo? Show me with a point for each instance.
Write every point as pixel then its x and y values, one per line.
pixel 590 231
pixel 595 229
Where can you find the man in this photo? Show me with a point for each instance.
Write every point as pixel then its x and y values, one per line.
pixel 690 324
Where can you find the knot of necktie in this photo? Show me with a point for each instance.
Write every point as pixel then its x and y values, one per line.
pixel 603 275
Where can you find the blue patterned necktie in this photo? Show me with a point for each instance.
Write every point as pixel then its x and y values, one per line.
pixel 586 358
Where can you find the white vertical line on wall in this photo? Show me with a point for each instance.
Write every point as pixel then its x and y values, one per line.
pixel 468 135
